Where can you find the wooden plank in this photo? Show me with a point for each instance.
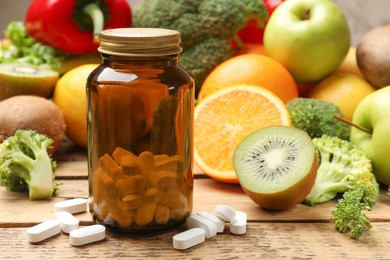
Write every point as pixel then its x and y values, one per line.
pixel 262 241
pixel 16 208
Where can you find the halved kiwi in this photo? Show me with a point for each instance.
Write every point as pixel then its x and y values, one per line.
pixel 17 79
pixel 276 166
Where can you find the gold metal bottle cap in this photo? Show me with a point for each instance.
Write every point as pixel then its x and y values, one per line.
pixel 140 42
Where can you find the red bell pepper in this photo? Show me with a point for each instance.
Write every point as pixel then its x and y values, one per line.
pixel 72 25
pixel 252 33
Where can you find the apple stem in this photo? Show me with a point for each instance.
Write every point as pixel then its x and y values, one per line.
pixel 352 124
pixel 306 15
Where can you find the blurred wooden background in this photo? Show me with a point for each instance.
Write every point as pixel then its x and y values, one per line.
pixel 362 15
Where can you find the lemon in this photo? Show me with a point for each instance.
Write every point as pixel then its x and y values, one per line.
pixel 70 97
pixel 344 90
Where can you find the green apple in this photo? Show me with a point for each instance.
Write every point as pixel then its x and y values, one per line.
pixel 373 114
pixel 309 37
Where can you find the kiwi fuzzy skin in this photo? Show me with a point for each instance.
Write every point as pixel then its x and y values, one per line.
pixel 290 197
pixel 373 56
pixel 32 113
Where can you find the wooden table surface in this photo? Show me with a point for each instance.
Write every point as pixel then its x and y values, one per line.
pixel 300 233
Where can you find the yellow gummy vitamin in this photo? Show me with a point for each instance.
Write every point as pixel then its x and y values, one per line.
pixel 164 180
pixel 110 167
pixel 103 186
pixel 171 164
pixel 160 157
pixel 144 215
pixel 120 213
pixel 141 198
pixel 130 185
pixel 174 199
pixel 120 152
pixel 161 216
pixel 146 163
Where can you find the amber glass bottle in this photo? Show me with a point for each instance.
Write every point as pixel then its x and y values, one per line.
pixel 140 117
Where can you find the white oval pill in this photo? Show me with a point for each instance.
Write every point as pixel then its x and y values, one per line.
pixel 217 221
pixel 189 238
pixel 196 221
pixel 224 212
pixel 238 225
pixel 86 235
pixel 72 205
pixel 67 220
pixel 43 230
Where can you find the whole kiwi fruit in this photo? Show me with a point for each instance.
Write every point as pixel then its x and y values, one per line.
pixel 373 56
pixel 276 166
pixel 32 113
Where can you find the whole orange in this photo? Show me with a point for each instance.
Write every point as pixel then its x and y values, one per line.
pixel 70 97
pixel 344 90
pixel 250 48
pixel 254 69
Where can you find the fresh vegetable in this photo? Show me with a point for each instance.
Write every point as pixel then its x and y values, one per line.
pixel 348 215
pixel 343 166
pixel 21 48
pixel 206 26
pixel 25 164
pixel 72 25
pixel 316 117
pixel 253 33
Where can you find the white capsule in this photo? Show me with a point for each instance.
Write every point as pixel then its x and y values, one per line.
pixel 224 212
pixel 189 238
pixel 196 221
pixel 217 221
pixel 87 235
pixel 72 206
pixel 43 230
pixel 238 225
pixel 67 220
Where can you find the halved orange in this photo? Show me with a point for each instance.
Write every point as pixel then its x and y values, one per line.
pixel 224 118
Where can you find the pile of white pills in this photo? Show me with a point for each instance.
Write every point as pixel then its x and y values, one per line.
pixel 204 225
pixel 201 226
pixel 66 222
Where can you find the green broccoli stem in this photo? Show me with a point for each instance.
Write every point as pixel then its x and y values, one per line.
pixel 41 182
pixel 331 179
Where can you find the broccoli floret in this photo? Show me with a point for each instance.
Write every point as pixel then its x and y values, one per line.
pixel 343 167
pixel 26 165
pixel 348 215
pixel 316 117
pixel 206 27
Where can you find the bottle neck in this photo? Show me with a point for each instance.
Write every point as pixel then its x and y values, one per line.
pixel 160 61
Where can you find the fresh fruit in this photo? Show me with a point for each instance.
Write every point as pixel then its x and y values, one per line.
pixel 344 90
pixel 253 69
pixel 70 97
pixel 76 61
pixel 250 48
pixel 224 118
pixel 373 56
pixel 276 166
pixel 17 79
pixel 309 37
pixel 372 113
pixel 349 64
pixel 29 112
